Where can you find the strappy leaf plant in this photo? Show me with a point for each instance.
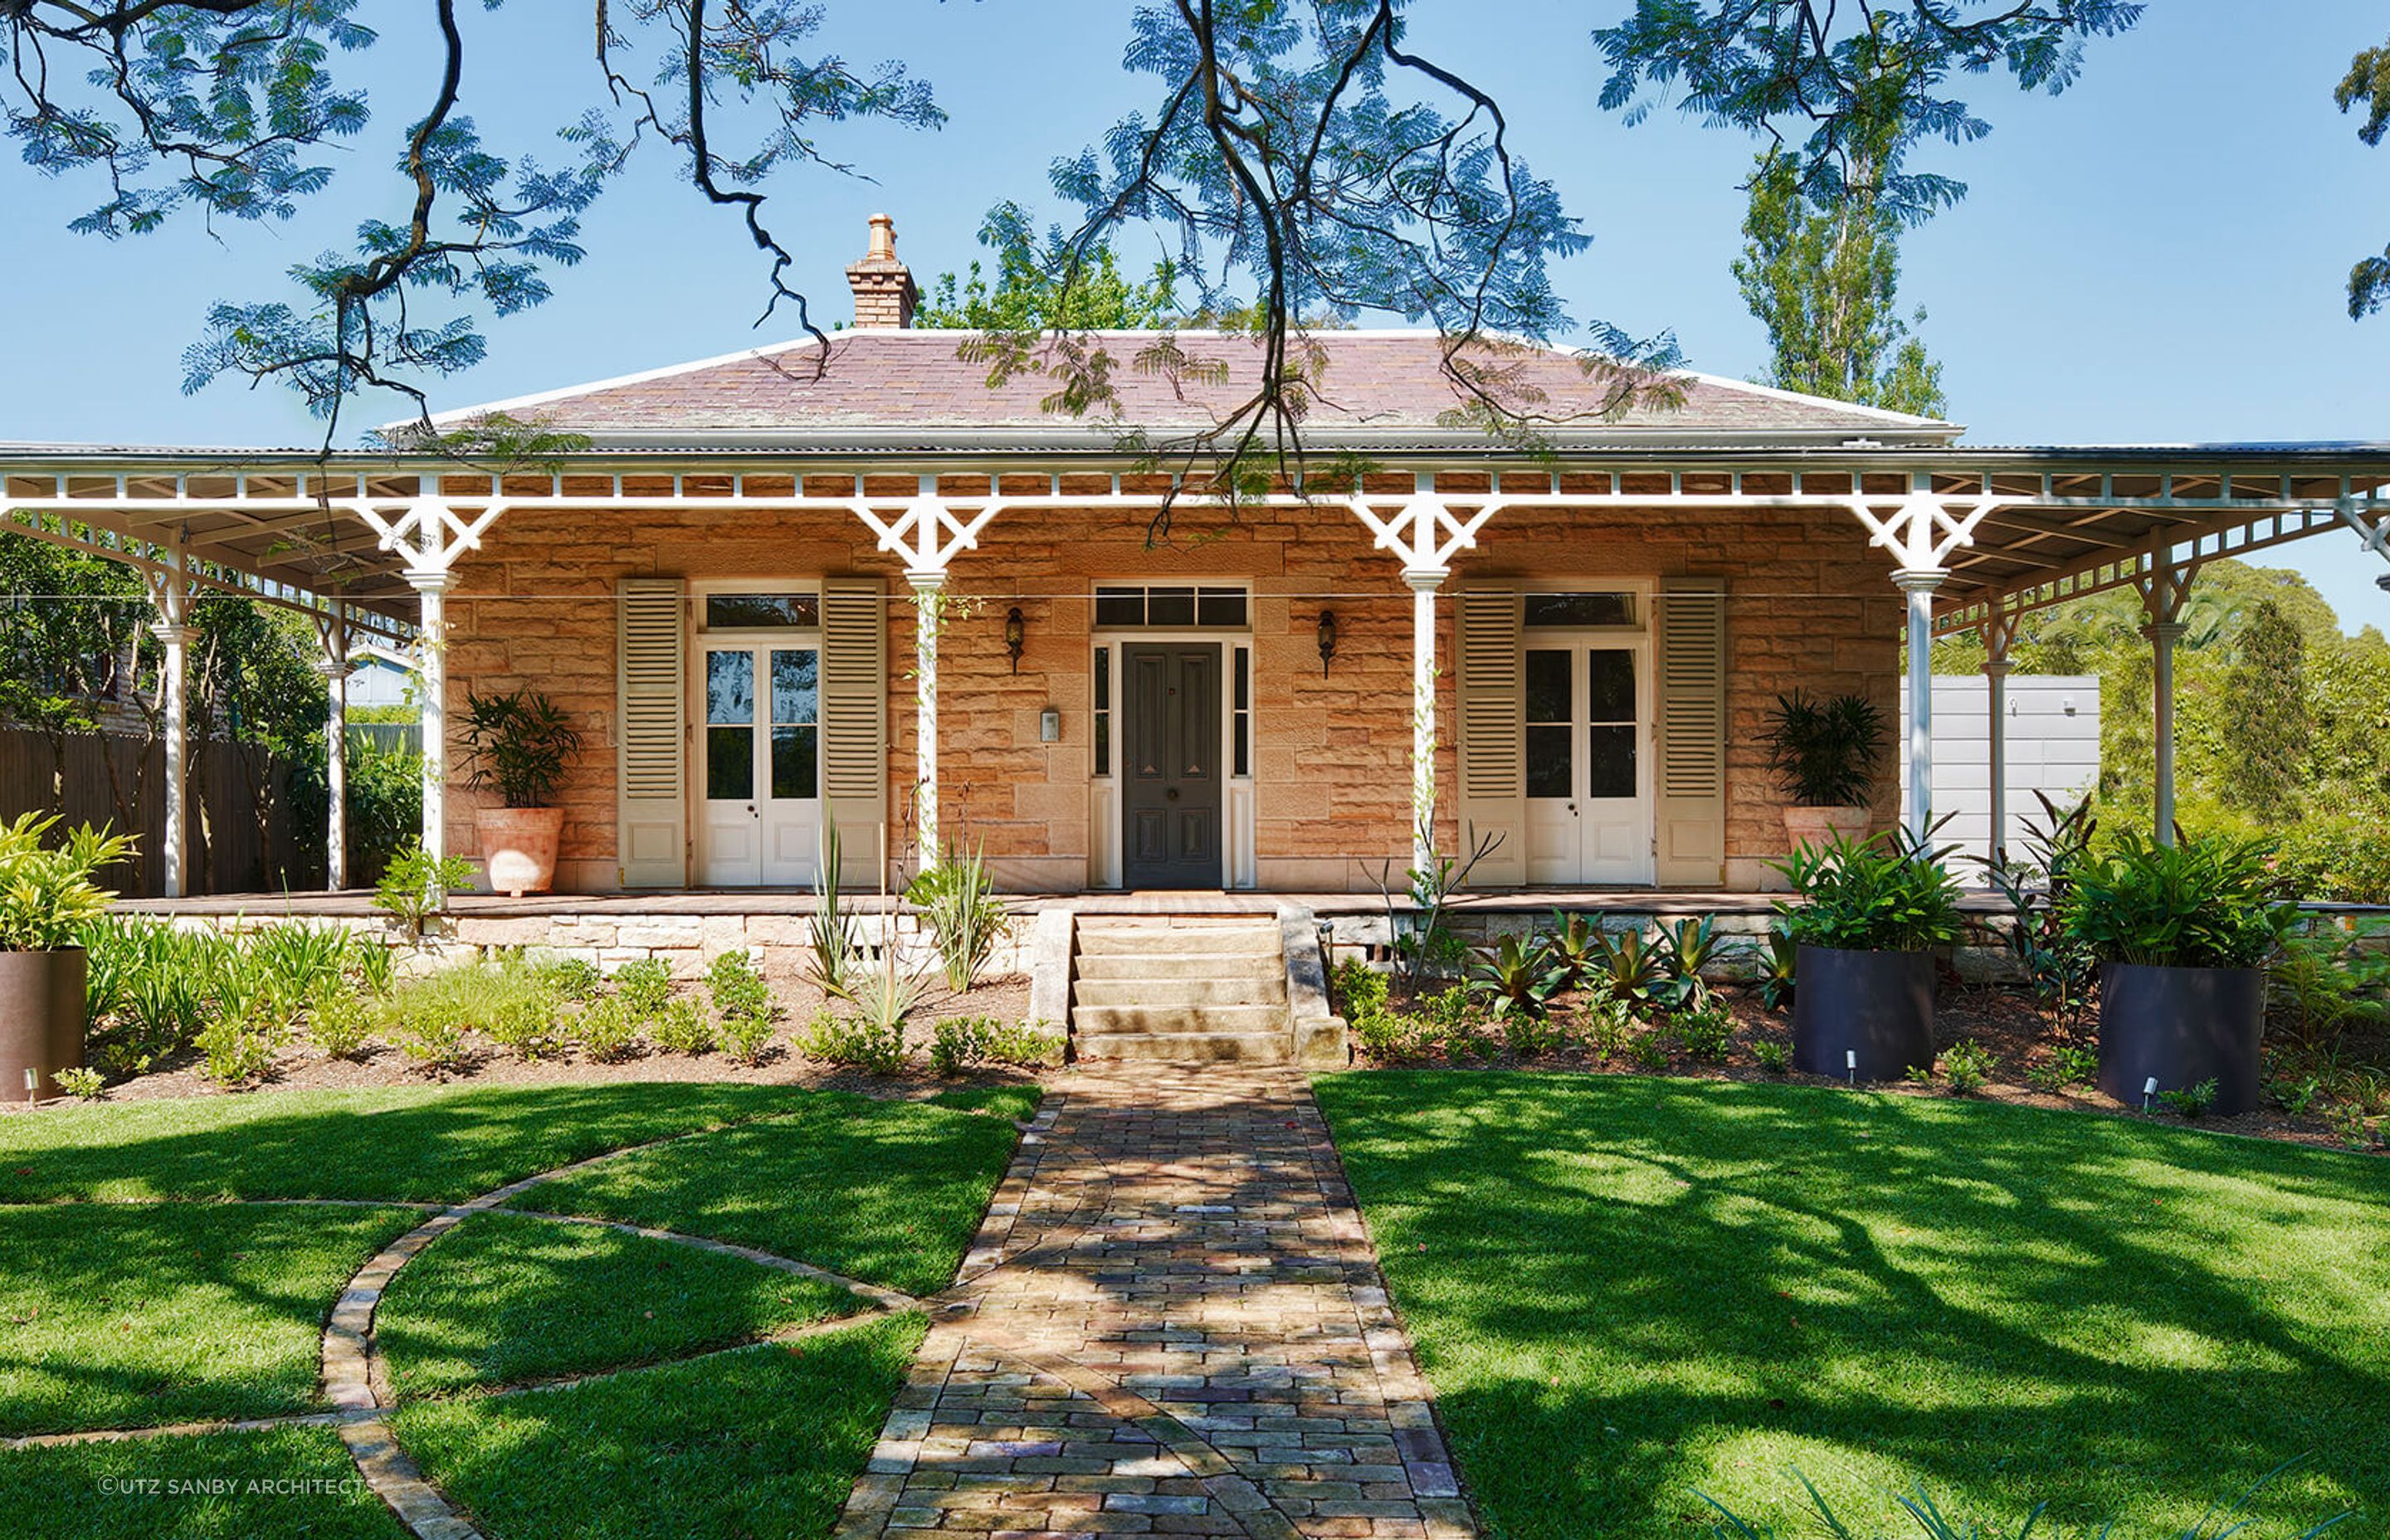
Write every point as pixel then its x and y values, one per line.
pixel 1889 892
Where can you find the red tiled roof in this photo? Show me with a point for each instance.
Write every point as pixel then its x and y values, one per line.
pixel 1373 384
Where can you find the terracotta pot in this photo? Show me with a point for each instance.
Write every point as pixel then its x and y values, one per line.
pixel 518 843
pixel 41 1018
pixel 1877 1006
pixel 1811 826
pixel 2179 1027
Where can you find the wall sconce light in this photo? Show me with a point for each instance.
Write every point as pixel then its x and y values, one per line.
pixel 1016 635
pixel 1326 639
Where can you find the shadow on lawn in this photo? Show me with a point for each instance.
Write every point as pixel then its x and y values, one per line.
pixel 1625 1289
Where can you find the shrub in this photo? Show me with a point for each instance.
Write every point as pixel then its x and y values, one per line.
pixel 1649 1051
pixel 2348 1125
pixel 1886 893
pixel 867 1045
pixel 2322 985
pixel 745 1037
pixel 1531 1035
pixel 683 1028
pixel 148 989
pixel 469 995
pixel 1771 1055
pixel 47 891
pixel 2336 859
pixel 519 744
pixel 1386 1036
pixel 643 987
pixel 1825 753
pixel 84 1085
pixel 573 979
pixel 964 1043
pixel 957 899
pixel 1703 1033
pixel 1967 1067
pixel 238 1049
pixel 2205 902
pixel 339 1024
pixel 1605 1018
pixel 435 1039
pixel 2066 1065
pixel 414 886
pixel 743 1003
pixel 2191 1101
pixel 608 1031
pixel 1360 989
pixel 529 1024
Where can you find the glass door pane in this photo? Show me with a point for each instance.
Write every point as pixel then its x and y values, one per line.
pixel 1611 722
pixel 796 750
pixel 1550 732
pixel 730 725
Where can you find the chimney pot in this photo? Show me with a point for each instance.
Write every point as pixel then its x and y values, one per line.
pixel 884 291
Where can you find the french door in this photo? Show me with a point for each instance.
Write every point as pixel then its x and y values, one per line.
pixel 1588 772
pixel 762 820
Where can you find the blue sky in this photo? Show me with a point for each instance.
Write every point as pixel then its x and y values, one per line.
pixel 2157 255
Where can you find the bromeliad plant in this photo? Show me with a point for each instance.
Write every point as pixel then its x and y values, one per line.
pixel 2211 901
pixel 1889 892
pixel 1517 977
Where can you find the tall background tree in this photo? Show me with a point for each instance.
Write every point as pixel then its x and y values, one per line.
pixel 2367 84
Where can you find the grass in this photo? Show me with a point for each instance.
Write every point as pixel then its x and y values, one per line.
pixel 203 1490
pixel 764 1442
pixel 888 1192
pixel 118 1317
pixel 423 1146
pixel 501 1299
pixel 1629 1292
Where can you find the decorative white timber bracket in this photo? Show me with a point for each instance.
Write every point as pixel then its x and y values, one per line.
pixel 2375 533
pixel 2165 585
pixel 928 534
pixel 1920 532
pixel 431 536
pixel 332 631
pixel 169 590
pixel 1425 534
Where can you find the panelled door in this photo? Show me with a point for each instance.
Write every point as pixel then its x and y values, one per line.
pixel 1588 777
pixel 1171 771
pixel 761 750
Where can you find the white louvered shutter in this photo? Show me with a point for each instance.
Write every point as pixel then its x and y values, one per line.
pixel 651 738
pixel 855 721
pixel 1493 732
pixel 1691 811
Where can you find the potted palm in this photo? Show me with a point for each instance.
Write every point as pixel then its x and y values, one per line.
pixel 1870 916
pixel 2182 933
pixel 519 744
pixel 1825 754
pixel 46 897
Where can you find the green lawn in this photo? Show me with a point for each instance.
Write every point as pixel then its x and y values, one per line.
pixel 890 1192
pixel 122 1318
pixel 128 1299
pixel 763 1443
pixel 502 1301
pixel 1628 1292
pixel 278 1483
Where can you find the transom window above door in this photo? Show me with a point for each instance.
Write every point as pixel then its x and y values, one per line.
pixel 1592 607
pixel 1166 605
pixel 727 612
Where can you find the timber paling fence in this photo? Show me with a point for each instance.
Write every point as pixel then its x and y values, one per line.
pixel 225 855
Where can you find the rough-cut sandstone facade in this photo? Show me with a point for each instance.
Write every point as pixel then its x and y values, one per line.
pixel 534 607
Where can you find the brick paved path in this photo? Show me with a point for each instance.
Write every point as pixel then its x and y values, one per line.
pixel 1172 1324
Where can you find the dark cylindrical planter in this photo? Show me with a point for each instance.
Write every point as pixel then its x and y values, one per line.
pixel 2182 1026
pixel 1877 1005
pixel 41 1017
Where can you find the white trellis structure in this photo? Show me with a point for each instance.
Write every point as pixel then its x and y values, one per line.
pixel 1974 539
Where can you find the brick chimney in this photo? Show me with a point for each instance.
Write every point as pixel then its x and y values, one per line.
pixel 884 295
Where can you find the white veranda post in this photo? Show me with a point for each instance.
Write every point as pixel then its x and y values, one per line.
pixel 431 536
pixel 1920 532
pixel 2164 588
pixel 169 590
pixel 332 628
pixel 1999 636
pixel 928 534
pixel 1425 534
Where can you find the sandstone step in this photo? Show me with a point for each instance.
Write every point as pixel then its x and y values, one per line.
pixel 1164 1019
pixel 1189 1047
pixel 1178 941
pixel 1252 967
pixel 1261 989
